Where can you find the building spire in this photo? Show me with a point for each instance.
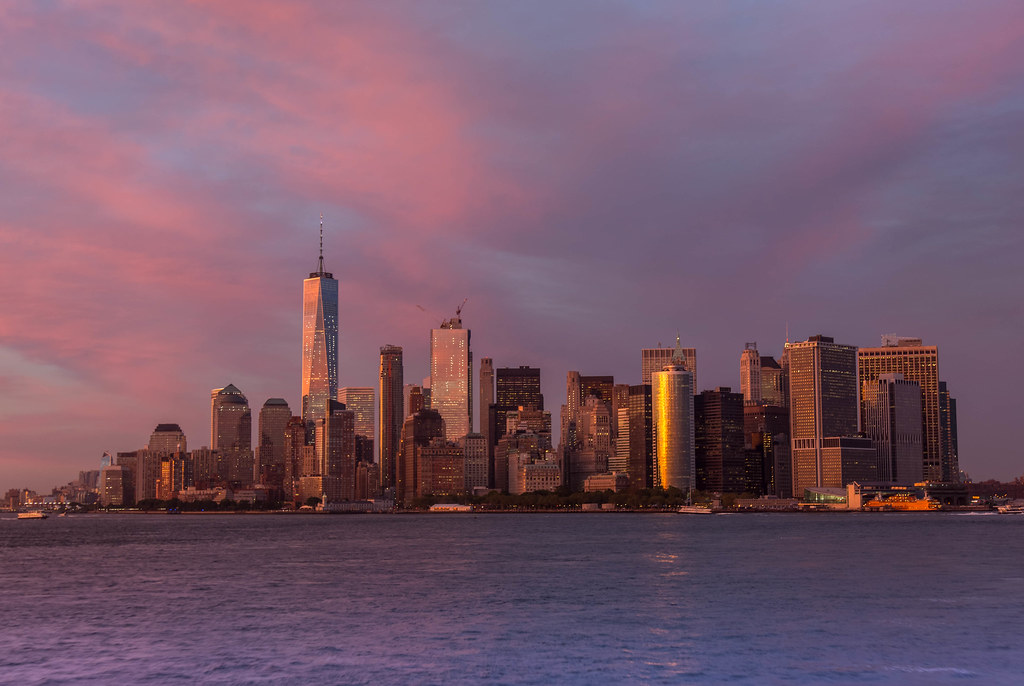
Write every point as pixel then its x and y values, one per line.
pixel 678 356
pixel 321 266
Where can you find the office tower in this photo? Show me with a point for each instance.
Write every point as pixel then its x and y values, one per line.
pixel 319 339
pixel 519 387
pixel 451 385
pixel 773 383
pixel 167 439
pixel 655 359
pixel 294 454
pixel 361 401
pixel 414 400
pixel 232 422
pixel 619 461
pixel 766 432
pixel 392 412
pixel 641 437
pixel 947 429
pixel 111 488
pixel 515 388
pixel 601 387
pixel 439 469
pixel 213 413
pixel 486 392
pixel 918 363
pixel 176 474
pixel 274 417
pixel 594 437
pixel 891 410
pixel 822 406
pixel 672 414
pixel 620 399
pixel 750 375
pixel 129 464
pixel 474 449
pixel 718 441
pixel 336 452
pixel 417 431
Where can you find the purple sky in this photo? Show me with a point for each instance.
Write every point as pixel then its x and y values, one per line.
pixel 593 176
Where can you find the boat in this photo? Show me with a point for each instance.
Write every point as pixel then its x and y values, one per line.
pixel 695 509
pixel 32 515
pixel 1015 507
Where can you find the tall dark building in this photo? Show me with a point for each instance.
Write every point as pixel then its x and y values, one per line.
pixel 718 435
pixel 766 434
pixel 947 428
pixel 231 424
pixel 515 387
pixel 336 451
pixel 392 413
pixel 641 437
pixel 274 418
pixel 519 387
pixel 822 406
pixel 601 387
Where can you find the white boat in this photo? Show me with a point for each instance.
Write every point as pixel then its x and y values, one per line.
pixel 695 509
pixel 32 515
pixel 1015 507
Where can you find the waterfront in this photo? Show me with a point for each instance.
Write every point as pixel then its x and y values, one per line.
pixel 915 598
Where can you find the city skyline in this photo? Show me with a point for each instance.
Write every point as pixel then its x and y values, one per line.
pixel 567 177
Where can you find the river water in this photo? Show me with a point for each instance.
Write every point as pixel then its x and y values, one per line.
pixel 518 598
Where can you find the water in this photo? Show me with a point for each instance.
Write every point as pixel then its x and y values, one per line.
pixel 534 599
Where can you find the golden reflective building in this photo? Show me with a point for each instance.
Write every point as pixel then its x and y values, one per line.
pixel 672 409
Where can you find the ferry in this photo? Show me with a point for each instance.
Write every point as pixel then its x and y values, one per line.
pixel 1015 507
pixel 904 502
pixel 32 515
pixel 451 507
pixel 695 509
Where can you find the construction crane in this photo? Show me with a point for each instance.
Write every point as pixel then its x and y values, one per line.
pixel 458 310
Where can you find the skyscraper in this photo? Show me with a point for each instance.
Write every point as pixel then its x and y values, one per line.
pixel 486 392
pixel 392 412
pixel 319 339
pixel 750 375
pixel 417 432
pixel 947 428
pixel 359 399
pixel 641 437
pixel 654 360
pixel 167 439
pixel 336 452
pixel 823 405
pixel 451 385
pixel 773 383
pixel 274 417
pixel 891 412
pixel 718 441
pixel 918 363
pixel 672 410
pixel 231 420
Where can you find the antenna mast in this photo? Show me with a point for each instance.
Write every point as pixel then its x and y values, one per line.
pixel 321 269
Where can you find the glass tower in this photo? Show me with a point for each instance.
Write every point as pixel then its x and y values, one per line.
pixel 319 340
pixel 451 387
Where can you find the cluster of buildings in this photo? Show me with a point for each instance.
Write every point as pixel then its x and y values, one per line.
pixel 823 415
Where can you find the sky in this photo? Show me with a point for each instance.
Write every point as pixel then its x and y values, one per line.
pixel 593 176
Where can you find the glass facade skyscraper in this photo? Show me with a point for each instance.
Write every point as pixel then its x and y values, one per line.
pixel 451 386
pixel 672 409
pixel 319 341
